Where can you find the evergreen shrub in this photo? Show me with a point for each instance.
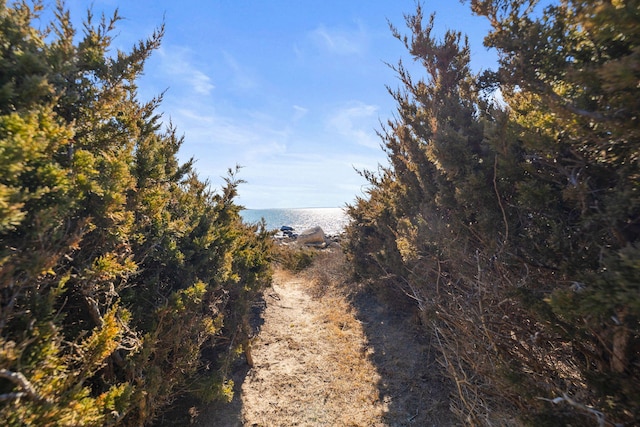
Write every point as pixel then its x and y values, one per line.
pixel 509 211
pixel 124 279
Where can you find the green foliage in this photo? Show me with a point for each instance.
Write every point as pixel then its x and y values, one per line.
pixel 514 225
pixel 122 276
pixel 27 176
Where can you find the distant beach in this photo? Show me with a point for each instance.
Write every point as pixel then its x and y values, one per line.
pixel 332 220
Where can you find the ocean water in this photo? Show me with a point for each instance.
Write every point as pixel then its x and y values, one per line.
pixel 331 220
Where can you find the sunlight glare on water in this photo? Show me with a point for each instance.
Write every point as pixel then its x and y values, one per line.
pixel 331 220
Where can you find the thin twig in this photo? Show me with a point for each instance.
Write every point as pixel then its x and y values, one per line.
pixel 565 398
pixel 495 188
pixel 20 380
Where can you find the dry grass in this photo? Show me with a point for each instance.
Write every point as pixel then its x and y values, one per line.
pixel 311 368
pixel 321 359
pixel 410 387
pixel 354 377
pixel 328 273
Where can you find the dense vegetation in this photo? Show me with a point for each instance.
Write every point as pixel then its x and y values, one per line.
pixel 124 280
pixel 510 210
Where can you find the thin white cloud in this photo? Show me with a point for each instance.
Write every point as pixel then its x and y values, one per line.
pixel 299 112
pixel 176 62
pixel 248 134
pixel 280 166
pixel 207 128
pixel 200 82
pixel 292 179
pixel 340 41
pixel 243 78
pixel 355 122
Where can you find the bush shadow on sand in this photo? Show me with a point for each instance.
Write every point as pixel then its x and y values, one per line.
pixel 411 384
pixel 191 411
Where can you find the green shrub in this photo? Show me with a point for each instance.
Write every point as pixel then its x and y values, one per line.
pixel 514 222
pixel 122 276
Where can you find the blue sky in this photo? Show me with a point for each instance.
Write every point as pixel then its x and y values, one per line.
pixel 293 91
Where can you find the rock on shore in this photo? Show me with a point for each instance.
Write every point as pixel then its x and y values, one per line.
pixel 313 236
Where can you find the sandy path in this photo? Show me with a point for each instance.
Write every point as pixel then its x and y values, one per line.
pixel 310 364
pixel 317 363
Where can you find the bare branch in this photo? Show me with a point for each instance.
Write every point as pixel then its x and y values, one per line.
pixel 565 398
pixel 20 380
pixel 12 396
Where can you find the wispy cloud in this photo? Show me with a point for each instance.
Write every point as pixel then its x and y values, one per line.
pixel 340 41
pixel 243 78
pixel 355 121
pixel 200 82
pixel 302 179
pixel 176 62
pixel 299 112
pixel 280 167
pixel 244 133
pixel 293 152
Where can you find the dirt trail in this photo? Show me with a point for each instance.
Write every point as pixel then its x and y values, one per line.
pixel 322 362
